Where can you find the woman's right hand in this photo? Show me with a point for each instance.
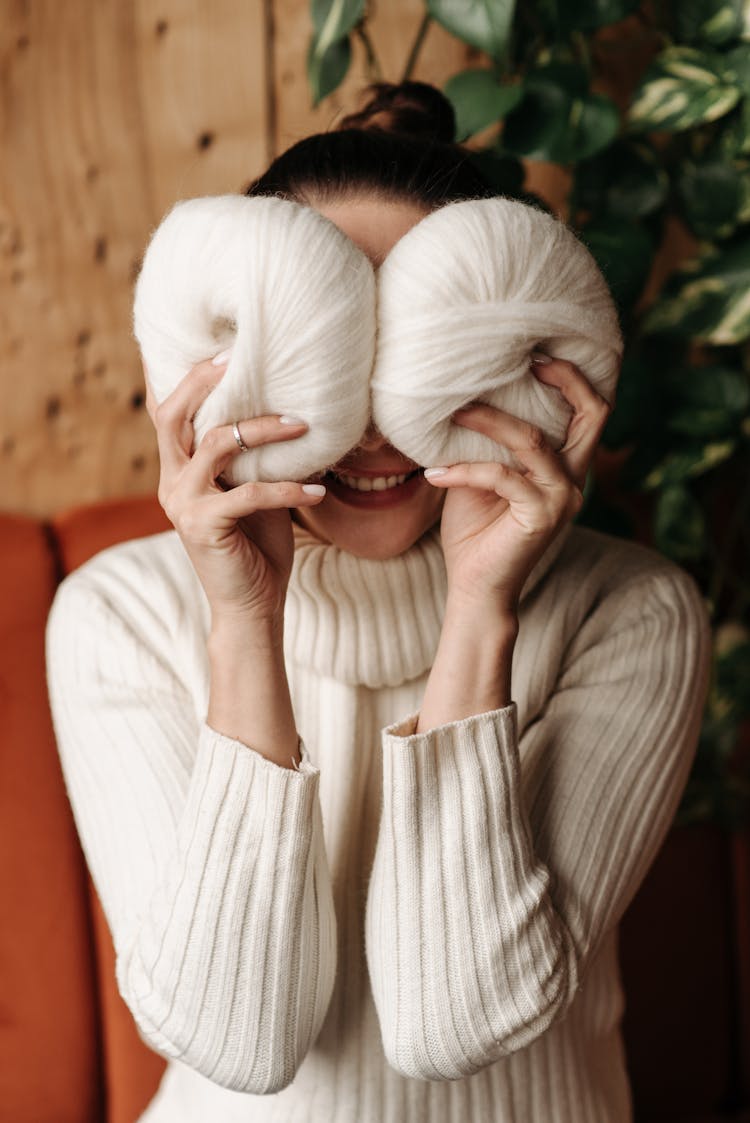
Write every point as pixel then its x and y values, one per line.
pixel 240 540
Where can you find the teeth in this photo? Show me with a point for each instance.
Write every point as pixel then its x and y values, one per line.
pixel 366 483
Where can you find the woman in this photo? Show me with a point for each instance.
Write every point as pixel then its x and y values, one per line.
pixel 365 790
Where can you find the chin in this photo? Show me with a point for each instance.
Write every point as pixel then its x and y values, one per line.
pixel 384 538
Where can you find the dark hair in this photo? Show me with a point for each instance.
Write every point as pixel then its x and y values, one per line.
pixel 398 146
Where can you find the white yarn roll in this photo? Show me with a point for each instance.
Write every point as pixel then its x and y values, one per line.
pixel 464 298
pixel 292 295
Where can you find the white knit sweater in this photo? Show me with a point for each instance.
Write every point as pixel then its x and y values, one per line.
pixel 408 928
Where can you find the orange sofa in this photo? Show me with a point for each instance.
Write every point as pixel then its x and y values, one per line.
pixel 69 1050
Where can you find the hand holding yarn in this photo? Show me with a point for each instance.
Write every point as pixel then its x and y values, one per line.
pixel 465 297
pixel 239 541
pixel 291 295
pixel 498 521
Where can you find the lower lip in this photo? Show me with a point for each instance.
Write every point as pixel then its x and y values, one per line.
pixel 374 500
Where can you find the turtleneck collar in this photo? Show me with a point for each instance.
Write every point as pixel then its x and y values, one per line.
pixel 373 623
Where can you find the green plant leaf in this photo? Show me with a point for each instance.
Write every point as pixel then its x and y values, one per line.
pixel 708 21
pixel 624 252
pixel 558 119
pixel 481 23
pixel 329 53
pixel 743 214
pixel 588 15
pixel 736 65
pixel 679 524
pixel 689 462
pixel 713 195
pixel 734 138
pixel 682 88
pixel 569 76
pixel 706 402
pixel 325 72
pixel 707 299
pixel 479 100
pixel 334 19
pixel 626 180
pixel 732 688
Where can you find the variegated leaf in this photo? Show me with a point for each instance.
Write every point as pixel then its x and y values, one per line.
pixel 329 53
pixel 683 88
pixel 708 299
pixel 708 21
pixel 680 466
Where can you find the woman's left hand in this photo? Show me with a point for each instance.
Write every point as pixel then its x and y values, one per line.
pixel 497 522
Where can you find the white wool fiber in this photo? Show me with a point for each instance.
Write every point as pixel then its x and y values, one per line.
pixel 293 297
pixel 464 298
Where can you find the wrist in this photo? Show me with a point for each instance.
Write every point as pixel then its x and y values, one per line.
pixel 249 697
pixel 471 672
pixel 482 616
pixel 239 634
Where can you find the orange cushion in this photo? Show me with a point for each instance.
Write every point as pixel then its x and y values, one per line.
pixel 50 1069
pixel 83 531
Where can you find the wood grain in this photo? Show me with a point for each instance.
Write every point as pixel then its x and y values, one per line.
pixel 110 111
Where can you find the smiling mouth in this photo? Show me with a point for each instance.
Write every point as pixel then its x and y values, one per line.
pixel 370 482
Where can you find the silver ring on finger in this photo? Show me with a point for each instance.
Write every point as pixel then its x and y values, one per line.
pixel 238 438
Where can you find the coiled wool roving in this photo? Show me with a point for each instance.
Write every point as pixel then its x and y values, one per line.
pixel 464 298
pixel 293 297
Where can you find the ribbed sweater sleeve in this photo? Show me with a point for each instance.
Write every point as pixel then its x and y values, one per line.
pixel 500 864
pixel 208 858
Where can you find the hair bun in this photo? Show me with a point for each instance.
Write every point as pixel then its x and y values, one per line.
pixel 409 108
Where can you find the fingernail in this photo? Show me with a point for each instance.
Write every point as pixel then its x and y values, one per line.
pixel 314 489
pixel 286 420
pixel 430 472
pixel 222 358
pixel 540 357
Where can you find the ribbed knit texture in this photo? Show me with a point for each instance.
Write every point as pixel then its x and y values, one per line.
pixel 410 928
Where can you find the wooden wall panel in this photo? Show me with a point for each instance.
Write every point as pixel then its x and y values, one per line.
pixel 111 110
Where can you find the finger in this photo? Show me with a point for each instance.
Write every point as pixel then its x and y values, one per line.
pixel 499 478
pixel 572 384
pixel 526 441
pixel 246 498
pixel 541 507
pixel 219 445
pixel 591 412
pixel 173 417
